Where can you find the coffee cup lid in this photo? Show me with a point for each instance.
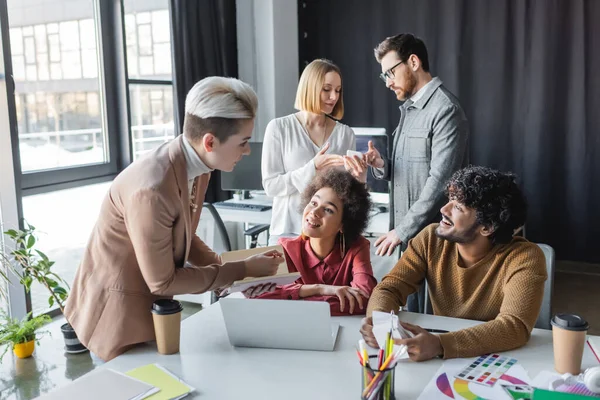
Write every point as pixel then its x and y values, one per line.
pixel 570 322
pixel 166 307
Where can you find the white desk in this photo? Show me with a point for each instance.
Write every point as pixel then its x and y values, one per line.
pixel 378 223
pixel 219 371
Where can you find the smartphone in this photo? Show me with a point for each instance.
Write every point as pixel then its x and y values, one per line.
pixel 352 153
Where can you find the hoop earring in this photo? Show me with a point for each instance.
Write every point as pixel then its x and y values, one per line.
pixel 342 244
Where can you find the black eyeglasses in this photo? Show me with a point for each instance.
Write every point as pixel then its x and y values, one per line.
pixel 389 74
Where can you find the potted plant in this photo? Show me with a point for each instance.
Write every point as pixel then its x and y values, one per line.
pixel 35 265
pixel 21 335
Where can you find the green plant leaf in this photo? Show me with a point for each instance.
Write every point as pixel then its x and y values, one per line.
pixel 51 282
pixel 26 281
pixel 44 256
pixel 60 290
pixel 30 241
pixel 12 233
pixel 20 252
pixel 50 301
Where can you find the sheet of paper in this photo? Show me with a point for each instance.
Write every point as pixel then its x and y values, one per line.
pixel 381 327
pixel 282 277
pixel 594 343
pixel 279 280
pixel 444 385
pixel 171 386
pixel 103 384
pixel 544 379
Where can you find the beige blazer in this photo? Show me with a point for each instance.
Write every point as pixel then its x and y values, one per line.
pixel 137 251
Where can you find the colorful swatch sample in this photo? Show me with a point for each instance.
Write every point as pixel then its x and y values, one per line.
pixel 519 392
pixel 578 388
pixel 444 385
pixel 462 388
pixel 486 370
pixel 513 380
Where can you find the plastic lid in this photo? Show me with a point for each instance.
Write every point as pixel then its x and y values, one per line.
pixel 166 307
pixel 570 322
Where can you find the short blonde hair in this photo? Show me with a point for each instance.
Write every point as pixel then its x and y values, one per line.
pixel 218 105
pixel 308 95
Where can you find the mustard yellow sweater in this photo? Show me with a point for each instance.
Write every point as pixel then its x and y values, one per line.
pixel 505 289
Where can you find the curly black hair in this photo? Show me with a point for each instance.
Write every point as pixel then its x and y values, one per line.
pixel 353 194
pixel 495 196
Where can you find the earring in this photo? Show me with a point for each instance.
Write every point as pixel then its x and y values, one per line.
pixel 342 244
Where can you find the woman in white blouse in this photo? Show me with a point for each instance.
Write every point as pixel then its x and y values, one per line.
pixel 299 145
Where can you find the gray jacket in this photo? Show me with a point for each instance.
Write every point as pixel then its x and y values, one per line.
pixel 430 144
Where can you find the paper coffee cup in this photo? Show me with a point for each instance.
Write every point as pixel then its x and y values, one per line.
pixel 167 325
pixel 568 339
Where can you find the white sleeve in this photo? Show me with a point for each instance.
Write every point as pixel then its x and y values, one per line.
pixel 276 181
pixel 353 140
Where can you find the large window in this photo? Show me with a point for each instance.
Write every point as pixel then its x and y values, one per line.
pixel 64 232
pixel 58 100
pixel 148 41
pixel 92 92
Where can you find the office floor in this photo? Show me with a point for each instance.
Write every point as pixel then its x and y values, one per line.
pixel 51 367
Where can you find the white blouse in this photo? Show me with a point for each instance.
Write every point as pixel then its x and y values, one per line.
pixel 287 167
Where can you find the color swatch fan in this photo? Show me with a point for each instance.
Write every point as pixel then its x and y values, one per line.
pixel 486 377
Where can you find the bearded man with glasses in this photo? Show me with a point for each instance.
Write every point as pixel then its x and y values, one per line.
pixel 429 144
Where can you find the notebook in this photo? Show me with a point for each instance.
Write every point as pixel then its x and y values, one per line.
pixel 282 277
pixel 171 387
pixel 101 385
pixel 594 343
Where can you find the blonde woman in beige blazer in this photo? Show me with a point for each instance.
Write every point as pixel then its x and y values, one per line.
pixel 143 246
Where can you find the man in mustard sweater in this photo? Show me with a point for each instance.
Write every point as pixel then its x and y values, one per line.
pixel 475 269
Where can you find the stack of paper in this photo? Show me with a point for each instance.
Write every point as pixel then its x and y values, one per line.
pixel 171 387
pixel 282 277
pixel 101 385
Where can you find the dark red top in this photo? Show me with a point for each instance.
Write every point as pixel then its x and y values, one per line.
pixel 353 270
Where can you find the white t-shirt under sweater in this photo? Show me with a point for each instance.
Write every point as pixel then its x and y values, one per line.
pixel 287 167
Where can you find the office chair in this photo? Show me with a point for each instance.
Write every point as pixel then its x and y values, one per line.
pixel 545 316
pixel 221 230
pixel 543 321
pixel 253 231
pixel 225 245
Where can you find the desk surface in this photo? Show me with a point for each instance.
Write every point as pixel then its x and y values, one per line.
pixel 219 371
pixel 378 223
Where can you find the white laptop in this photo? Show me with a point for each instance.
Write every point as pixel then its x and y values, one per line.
pixel 279 324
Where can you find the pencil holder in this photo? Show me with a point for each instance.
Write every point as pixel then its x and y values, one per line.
pixel 377 384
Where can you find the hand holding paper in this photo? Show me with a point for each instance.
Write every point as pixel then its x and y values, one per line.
pixel 268 260
pixel 423 345
pixel 264 264
pixel 381 327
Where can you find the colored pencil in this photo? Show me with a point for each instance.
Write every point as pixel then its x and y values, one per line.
pixel 387 362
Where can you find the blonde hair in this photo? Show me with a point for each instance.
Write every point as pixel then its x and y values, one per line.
pixel 308 95
pixel 218 105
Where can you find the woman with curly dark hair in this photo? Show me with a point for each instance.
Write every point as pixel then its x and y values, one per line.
pixel 331 255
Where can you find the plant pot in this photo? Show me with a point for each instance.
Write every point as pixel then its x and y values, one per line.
pixel 24 350
pixel 72 343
